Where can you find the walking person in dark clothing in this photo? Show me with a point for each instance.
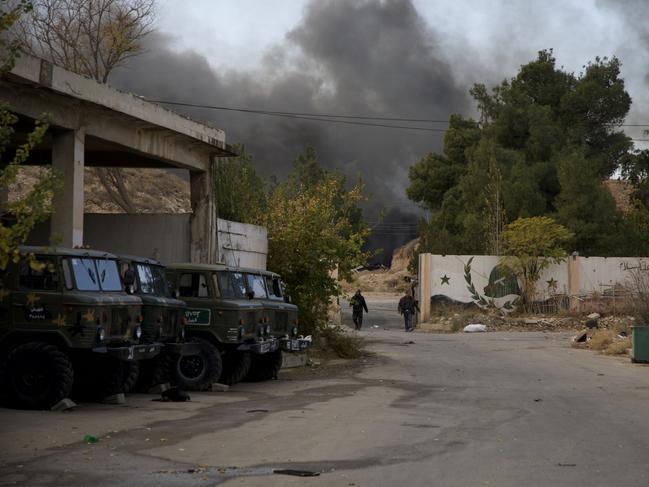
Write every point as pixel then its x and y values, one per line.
pixel 358 304
pixel 407 307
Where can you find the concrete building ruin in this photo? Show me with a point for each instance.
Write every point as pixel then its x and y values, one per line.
pixel 93 124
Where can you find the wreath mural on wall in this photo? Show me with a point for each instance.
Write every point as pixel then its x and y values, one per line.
pixel 502 282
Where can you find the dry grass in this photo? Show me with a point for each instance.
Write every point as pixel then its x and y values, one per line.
pixel 335 340
pixel 608 343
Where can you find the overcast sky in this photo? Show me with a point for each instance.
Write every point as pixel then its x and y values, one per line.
pixel 390 58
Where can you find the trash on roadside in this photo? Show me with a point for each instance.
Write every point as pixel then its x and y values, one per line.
pixel 622 334
pixel 375 326
pixel 216 387
pixel 297 473
pixel 90 439
pixel 258 411
pixel 581 337
pixel 592 324
pixel 475 328
pixel 594 316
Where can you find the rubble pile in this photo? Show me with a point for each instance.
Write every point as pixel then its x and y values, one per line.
pixel 498 322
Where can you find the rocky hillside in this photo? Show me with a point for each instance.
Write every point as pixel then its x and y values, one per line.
pixel 152 190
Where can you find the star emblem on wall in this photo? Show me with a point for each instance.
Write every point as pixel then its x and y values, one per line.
pixel 32 299
pixel 59 321
pixel 552 283
pixel 89 316
pixel 445 280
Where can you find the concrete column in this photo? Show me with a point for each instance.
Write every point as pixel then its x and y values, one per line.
pixel 573 281
pixel 204 247
pixel 425 275
pixel 68 205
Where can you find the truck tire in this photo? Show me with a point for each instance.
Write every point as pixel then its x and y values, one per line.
pixel 236 366
pixel 130 375
pixel 153 372
pixel 265 366
pixel 197 372
pixel 36 375
pixel 115 377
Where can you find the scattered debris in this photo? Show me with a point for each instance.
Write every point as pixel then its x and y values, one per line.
pixel 538 399
pixel 567 464
pixel 581 337
pixel 409 342
pixel 258 411
pixel 475 328
pixel 375 326
pixel 297 473
pixel 622 334
pixel 590 324
pixel 594 316
pixel 64 405
pixel 216 387
pixel 90 439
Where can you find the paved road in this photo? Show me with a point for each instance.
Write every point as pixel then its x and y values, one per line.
pixel 506 409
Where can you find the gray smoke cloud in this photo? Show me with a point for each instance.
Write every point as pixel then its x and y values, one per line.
pixel 352 58
pixel 379 58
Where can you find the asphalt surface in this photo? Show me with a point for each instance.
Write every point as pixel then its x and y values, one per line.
pixel 505 409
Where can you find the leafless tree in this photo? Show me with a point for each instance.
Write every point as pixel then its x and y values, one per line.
pixel 89 37
pixel 92 38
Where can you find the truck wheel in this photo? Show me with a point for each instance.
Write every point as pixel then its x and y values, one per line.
pixel 36 375
pixel 197 372
pixel 236 366
pixel 265 366
pixel 153 372
pixel 130 375
pixel 114 376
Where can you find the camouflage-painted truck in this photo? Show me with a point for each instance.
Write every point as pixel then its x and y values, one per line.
pixel 283 317
pixel 66 322
pixel 163 317
pixel 230 327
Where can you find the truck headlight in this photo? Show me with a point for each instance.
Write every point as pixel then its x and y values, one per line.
pixel 138 332
pixel 101 333
pixel 267 329
pixel 294 331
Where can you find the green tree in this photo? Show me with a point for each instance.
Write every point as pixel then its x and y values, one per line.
pixel 312 231
pixel 240 191
pixel 20 215
pixel 531 245
pixel 528 125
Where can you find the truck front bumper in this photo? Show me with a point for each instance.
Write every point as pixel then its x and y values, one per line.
pixel 133 352
pixel 186 348
pixel 268 345
pixel 294 344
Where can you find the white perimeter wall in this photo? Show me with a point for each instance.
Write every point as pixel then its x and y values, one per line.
pixel 445 276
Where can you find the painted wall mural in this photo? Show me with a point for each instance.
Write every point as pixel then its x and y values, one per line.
pixel 480 280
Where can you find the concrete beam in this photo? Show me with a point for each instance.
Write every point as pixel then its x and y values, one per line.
pixel 44 74
pixel 109 127
pixel 68 205
pixel 203 227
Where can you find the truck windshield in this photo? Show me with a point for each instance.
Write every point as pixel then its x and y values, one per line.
pixel 231 284
pixel 256 285
pixel 274 288
pixel 152 280
pixel 108 275
pixel 96 274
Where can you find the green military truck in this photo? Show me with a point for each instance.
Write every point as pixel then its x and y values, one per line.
pixel 163 316
pixel 230 327
pixel 66 322
pixel 283 318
